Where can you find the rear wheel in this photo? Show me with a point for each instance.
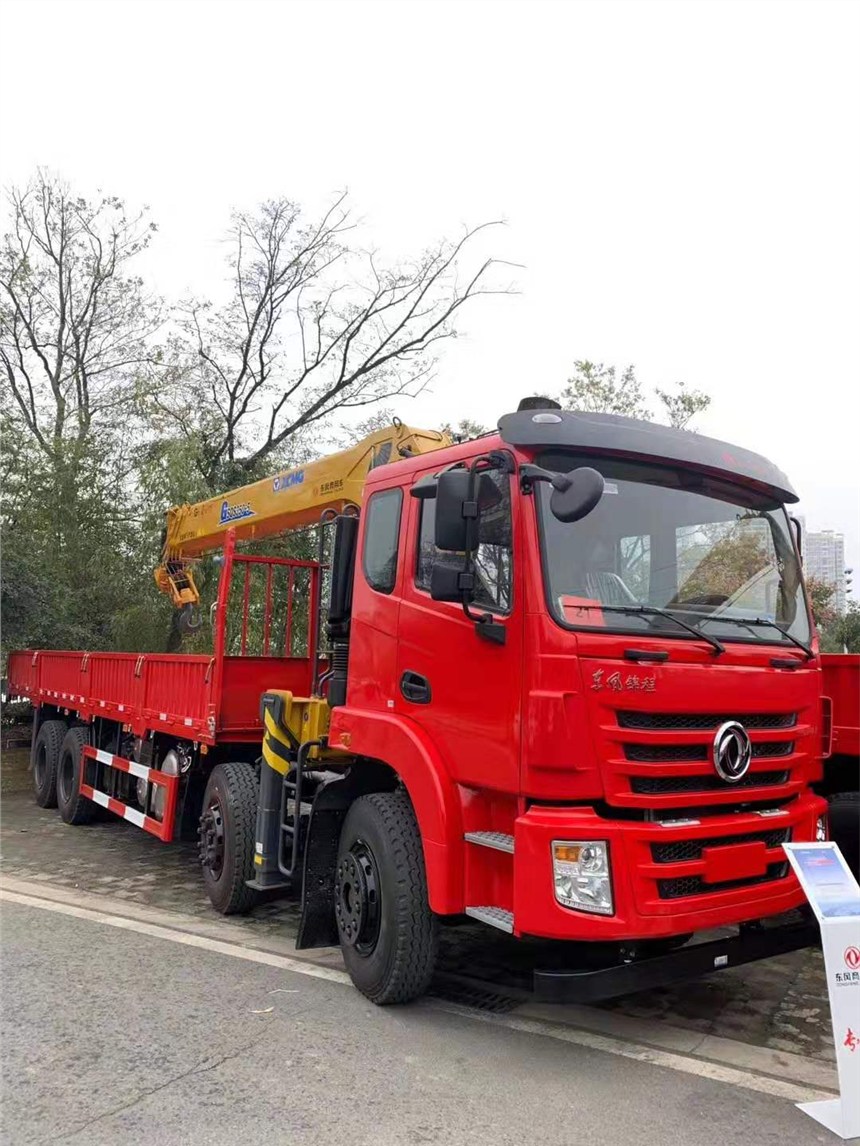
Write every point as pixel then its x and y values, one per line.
pixel 227 833
pixel 46 757
pixel 844 817
pixel 388 933
pixel 74 808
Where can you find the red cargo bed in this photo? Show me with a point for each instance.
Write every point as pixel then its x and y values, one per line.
pixel 273 607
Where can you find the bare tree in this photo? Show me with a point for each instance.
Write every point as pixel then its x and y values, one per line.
pixel 314 325
pixel 596 388
pixel 75 326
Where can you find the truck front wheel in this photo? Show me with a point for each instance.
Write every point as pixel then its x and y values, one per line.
pixel 388 933
pixel 46 757
pixel 227 833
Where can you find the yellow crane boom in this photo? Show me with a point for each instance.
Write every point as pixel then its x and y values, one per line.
pixel 275 504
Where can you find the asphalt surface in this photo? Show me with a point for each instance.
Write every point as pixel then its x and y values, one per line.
pixel 113 1036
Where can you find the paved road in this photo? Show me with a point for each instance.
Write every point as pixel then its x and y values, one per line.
pixel 779 1003
pixel 117 1036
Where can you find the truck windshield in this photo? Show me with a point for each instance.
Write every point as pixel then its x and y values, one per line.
pixel 713 553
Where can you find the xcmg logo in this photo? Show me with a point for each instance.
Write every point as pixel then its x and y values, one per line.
pixel 235 512
pixel 284 481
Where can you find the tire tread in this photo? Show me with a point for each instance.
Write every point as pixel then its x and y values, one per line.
pixel 415 927
pixel 80 809
pixel 242 793
pixel 54 732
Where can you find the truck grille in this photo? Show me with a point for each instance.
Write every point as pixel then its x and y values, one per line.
pixel 695 885
pixel 704 721
pixel 682 851
pixel 667 785
pixel 664 753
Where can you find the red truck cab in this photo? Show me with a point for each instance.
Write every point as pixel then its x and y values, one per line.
pixel 567 778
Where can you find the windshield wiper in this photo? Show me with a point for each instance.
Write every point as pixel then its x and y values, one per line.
pixel 751 621
pixel 653 611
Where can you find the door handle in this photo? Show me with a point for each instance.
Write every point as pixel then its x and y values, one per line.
pixel 415 688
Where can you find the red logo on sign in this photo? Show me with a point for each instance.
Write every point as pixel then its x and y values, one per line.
pixel 851 1041
pixel 852 957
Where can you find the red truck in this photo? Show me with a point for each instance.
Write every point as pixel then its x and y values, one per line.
pixel 571 689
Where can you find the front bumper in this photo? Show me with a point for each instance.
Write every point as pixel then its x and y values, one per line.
pixel 594 985
pixel 730 881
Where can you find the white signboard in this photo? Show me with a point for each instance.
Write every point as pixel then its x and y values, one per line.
pixel 834 896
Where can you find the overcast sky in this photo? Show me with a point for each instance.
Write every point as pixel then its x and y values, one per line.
pixel 680 180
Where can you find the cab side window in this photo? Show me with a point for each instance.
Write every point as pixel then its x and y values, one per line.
pixel 381 536
pixel 494 556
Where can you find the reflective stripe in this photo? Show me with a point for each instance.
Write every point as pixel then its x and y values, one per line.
pixel 136 817
pixel 122 763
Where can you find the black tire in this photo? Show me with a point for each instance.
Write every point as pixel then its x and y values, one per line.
pixel 844 816
pixel 46 757
pixel 388 934
pixel 74 808
pixel 227 833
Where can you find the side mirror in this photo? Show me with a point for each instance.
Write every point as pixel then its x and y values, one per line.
pixel 448 580
pixel 456 507
pixel 583 489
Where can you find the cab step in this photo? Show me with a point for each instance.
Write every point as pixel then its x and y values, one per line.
pixel 501 841
pixel 494 916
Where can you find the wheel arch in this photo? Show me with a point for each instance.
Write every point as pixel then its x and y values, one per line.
pixel 390 750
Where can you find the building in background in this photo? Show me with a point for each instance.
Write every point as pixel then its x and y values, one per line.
pixel 824 558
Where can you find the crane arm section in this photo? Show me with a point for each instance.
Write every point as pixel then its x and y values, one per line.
pixel 277 504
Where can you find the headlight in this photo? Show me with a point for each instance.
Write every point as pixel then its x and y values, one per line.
pixel 580 870
pixel 821 828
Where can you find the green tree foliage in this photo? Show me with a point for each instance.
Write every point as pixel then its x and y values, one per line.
pixel 76 330
pixel 821 595
pixel 596 388
pixel 841 634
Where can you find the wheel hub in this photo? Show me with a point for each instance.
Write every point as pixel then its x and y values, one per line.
pixel 357 899
pixel 211 836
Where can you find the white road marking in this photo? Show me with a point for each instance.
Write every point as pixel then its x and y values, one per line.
pixel 200 941
pixel 703 1068
pixel 764 1084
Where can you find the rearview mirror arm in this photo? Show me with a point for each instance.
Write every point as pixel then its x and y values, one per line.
pixel 529 474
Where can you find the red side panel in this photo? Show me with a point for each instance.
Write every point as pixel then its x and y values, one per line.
pixel 112 679
pixel 22 673
pixel 177 691
pixel 247 678
pixel 842 685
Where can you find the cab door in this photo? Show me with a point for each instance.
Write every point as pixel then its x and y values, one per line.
pixel 463 690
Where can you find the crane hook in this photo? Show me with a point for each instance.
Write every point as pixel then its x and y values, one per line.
pixel 189 620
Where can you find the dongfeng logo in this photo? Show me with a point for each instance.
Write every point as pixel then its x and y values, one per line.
pixel 852 958
pixel 732 752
